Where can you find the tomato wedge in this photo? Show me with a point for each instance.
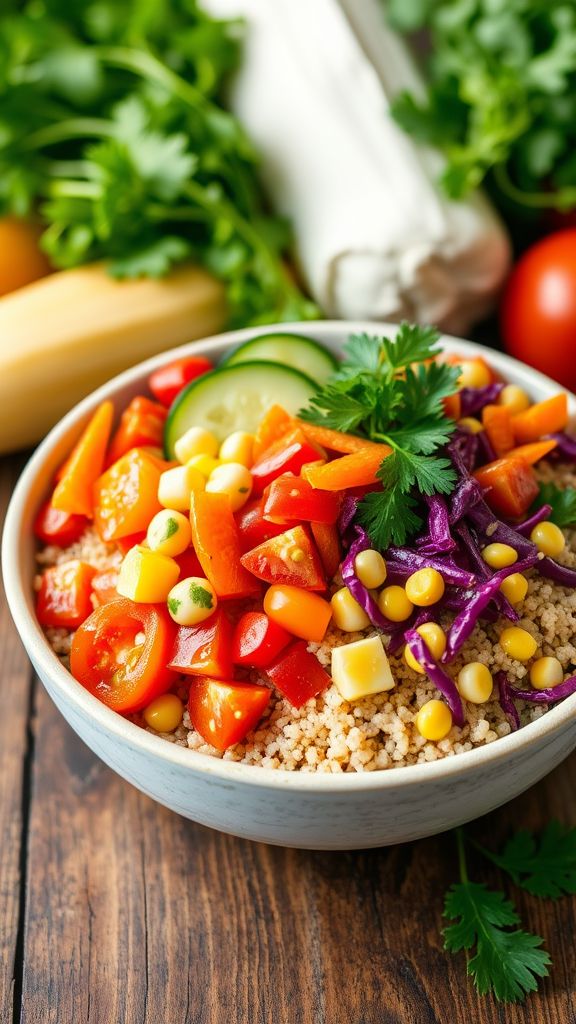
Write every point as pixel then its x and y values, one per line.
pixel 286 455
pixel 52 526
pixel 298 674
pixel 291 557
pixel 252 526
pixel 257 640
pixel 291 497
pixel 224 712
pixel 204 649
pixel 167 382
pixel 120 654
pixel 64 595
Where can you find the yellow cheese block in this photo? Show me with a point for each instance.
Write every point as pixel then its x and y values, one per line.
pixel 66 334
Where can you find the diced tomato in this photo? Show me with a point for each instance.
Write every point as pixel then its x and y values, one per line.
pixel 291 557
pixel 104 586
pixel 216 540
pixel 141 424
pixel 64 595
pixel 252 526
pixel 224 712
pixel 327 540
pixel 167 382
pixel 290 497
pixel 52 526
pixel 189 564
pixel 110 658
pixel 126 496
pixel 131 541
pixel 511 483
pixel 298 674
pixel 286 455
pixel 205 649
pixel 257 640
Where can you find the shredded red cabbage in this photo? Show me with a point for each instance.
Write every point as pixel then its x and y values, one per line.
pixel 487 453
pixel 549 696
pixel 436 674
pixel 473 400
pixel 506 703
pixel 475 555
pixel 484 521
pixel 464 623
pixel 438 540
pixel 467 494
pixel 348 511
pixel 528 525
pixel 404 561
pixel 359 592
pixel 565 447
pixel 463 451
pixel 561 574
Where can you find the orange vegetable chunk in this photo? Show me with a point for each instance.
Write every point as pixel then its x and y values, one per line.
pixel 73 492
pixel 354 470
pixel 497 423
pixel 540 419
pixel 532 453
pixel 275 422
pixel 64 595
pixel 216 540
pixel 512 485
pixel 126 496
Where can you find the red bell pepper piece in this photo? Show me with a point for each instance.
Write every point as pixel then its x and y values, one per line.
pixel 327 540
pixel 64 595
pixel 298 674
pixel 189 564
pixel 167 382
pixel 286 455
pixel 204 649
pixel 291 497
pixel 52 526
pixel 291 557
pixel 252 526
pixel 257 640
pixel 224 712
pixel 216 541
pixel 511 486
pixel 141 425
pixel 133 540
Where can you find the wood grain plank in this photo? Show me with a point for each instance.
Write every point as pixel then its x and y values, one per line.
pixel 15 694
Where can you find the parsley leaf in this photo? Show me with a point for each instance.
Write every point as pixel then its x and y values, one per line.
pixel 171 528
pixel 545 867
pixel 173 605
pixel 389 517
pixel 563 502
pixel 200 596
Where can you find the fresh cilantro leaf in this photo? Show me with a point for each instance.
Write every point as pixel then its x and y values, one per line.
pixel 411 344
pixel 362 352
pixel 563 502
pixel 200 596
pixel 544 866
pixel 154 260
pixel 424 436
pixel 423 389
pixel 173 605
pixel 389 517
pixel 342 405
pixel 171 528
pixel 507 963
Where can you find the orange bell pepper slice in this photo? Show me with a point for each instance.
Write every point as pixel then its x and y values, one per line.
pixel 126 496
pixel 540 419
pixel 216 541
pixel 354 470
pixel 532 453
pixel 275 422
pixel 73 492
pixel 497 423
pixel 141 425
pixel 335 440
pixel 511 483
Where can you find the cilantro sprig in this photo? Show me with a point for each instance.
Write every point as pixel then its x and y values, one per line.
pixel 391 391
pixel 562 502
pixel 544 866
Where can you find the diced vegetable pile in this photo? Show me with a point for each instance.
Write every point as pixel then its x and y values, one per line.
pixel 257 508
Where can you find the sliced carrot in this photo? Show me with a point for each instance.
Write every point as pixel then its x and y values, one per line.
pixel 540 419
pixel 453 406
pixel 532 453
pixel 511 483
pixel 73 492
pixel 497 423
pixel 335 440
pixel 217 544
pixel 352 470
pixel 273 424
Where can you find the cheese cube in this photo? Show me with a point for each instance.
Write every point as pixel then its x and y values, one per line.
pixel 361 668
pixel 147 576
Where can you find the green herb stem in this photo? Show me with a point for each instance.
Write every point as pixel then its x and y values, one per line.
pixel 563 199
pixel 461 847
pixel 66 131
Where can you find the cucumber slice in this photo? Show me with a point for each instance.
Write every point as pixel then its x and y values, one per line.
pixel 235 398
pixel 293 350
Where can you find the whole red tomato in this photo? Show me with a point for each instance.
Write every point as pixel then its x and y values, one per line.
pixel 538 311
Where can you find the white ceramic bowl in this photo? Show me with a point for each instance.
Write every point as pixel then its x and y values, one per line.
pixel 334 812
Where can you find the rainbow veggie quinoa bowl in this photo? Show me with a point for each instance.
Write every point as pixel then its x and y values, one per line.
pixel 319 565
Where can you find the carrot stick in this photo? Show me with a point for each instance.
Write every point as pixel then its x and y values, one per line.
pixel 275 422
pixel 532 453
pixel 352 470
pixel 540 419
pixel 73 492
pixel 335 440
pixel 497 423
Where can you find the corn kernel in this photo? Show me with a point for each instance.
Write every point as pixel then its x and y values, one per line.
pixel 347 613
pixel 499 556
pixel 232 479
pixel 192 601
pixel 370 568
pixel 165 713
pixel 176 486
pixel 549 539
pixel 474 374
pixel 205 464
pixel 425 587
pixel 434 720
pixel 238 447
pixel 515 587
pixel 196 441
pixel 475 682
pixel 169 532
pixel 435 639
pixel 361 668
pixel 146 576
pixel 545 673
pixel 514 398
pixel 471 424
pixel 518 643
pixel 394 603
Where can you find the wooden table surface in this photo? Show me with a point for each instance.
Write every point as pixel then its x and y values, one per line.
pixel 113 910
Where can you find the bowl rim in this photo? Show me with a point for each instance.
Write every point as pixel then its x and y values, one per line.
pixel 19 595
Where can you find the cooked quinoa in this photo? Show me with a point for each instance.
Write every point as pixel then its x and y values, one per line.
pixel 329 734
